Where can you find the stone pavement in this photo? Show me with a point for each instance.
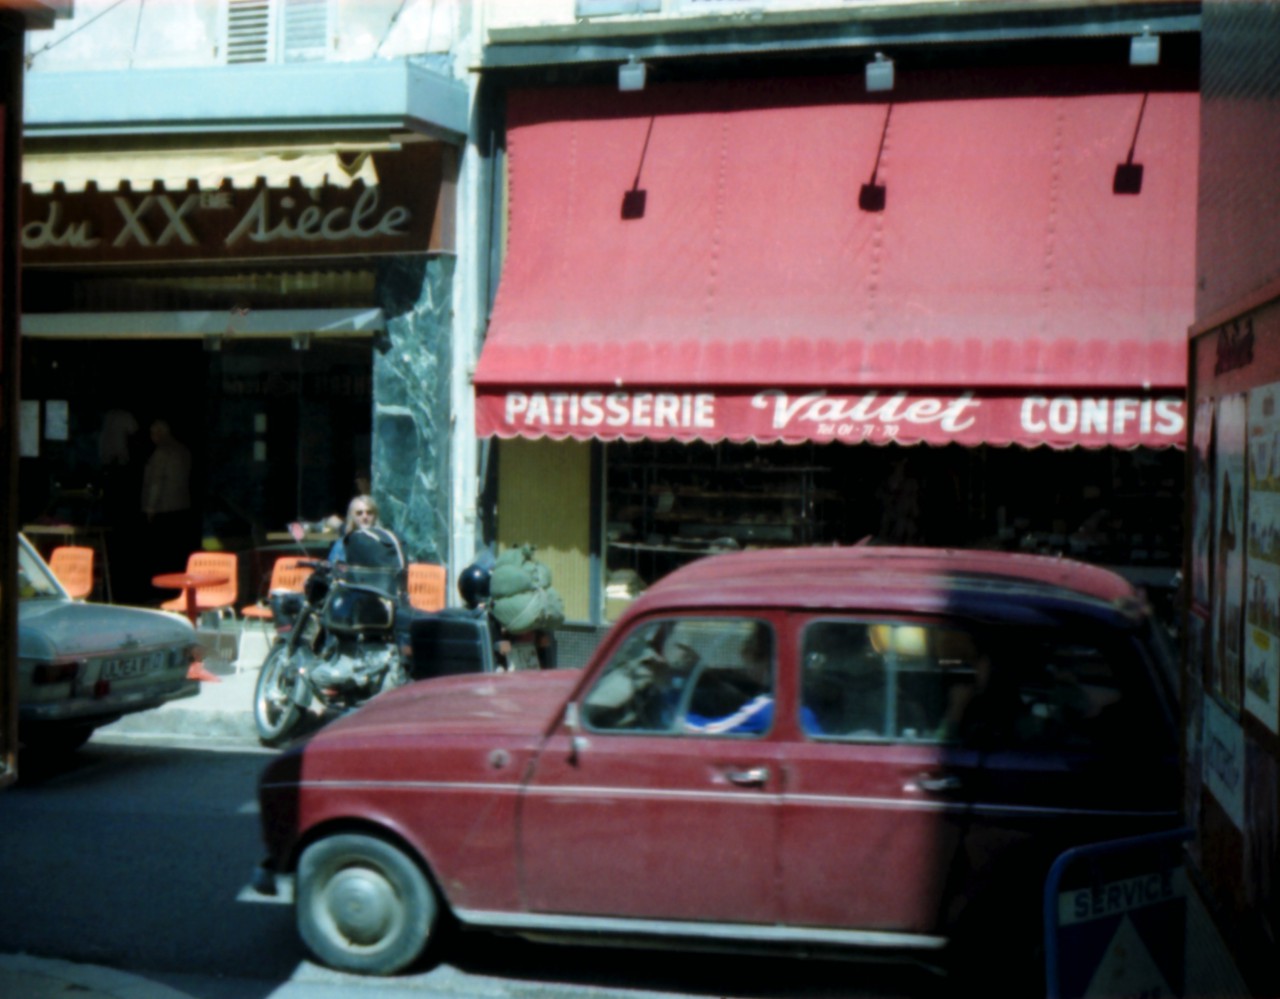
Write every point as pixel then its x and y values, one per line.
pixel 26 977
pixel 223 710
pixel 221 713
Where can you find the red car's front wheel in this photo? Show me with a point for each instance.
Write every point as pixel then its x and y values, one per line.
pixel 364 906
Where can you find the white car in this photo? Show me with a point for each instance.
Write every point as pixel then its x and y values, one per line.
pixel 84 665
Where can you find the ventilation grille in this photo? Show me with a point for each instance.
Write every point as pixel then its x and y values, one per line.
pixel 248 31
pixel 306 30
pixel 271 30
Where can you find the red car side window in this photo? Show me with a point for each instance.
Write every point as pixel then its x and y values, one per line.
pixel 993 688
pixel 884 680
pixel 692 676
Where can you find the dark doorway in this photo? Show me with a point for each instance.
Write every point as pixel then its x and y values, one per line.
pixel 275 434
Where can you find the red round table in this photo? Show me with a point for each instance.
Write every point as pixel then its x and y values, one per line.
pixel 190 583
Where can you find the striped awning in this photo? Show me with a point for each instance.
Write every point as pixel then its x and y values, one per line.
pixel 314 166
pixel 721 262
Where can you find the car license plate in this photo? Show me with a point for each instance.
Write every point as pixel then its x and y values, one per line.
pixel 524 655
pixel 124 669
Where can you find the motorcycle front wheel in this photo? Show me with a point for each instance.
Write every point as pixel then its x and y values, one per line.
pixel 274 712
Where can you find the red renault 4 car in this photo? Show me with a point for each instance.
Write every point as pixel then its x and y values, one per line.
pixel 857 748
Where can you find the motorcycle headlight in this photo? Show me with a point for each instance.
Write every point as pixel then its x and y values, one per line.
pixel 358 610
pixel 316 586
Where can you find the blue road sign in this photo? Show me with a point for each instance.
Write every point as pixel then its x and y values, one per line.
pixel 1115 917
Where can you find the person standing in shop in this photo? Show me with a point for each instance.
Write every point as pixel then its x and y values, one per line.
pixel 120 472
pixel 166 500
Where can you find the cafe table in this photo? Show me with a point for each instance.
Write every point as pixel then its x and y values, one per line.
pixel 313 542
pixel 190 583
pixel 314 545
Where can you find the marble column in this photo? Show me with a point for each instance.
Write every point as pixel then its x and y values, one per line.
pixel 411 404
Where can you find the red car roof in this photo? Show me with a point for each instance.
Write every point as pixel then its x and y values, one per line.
pixel 916 578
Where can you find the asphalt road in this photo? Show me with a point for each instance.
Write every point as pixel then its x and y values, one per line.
pixel 136 855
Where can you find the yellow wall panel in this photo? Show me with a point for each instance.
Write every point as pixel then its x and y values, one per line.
pixel 544 499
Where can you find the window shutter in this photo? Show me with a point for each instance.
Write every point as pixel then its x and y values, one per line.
pixel 248 31
pixel 306 30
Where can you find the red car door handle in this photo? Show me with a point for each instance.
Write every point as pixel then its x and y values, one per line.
pixel 751 777
pixel 932 783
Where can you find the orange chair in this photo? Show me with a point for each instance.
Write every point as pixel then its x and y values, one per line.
pixel 211 598
pixel 287 576
pixel 426 586
pixel 74 568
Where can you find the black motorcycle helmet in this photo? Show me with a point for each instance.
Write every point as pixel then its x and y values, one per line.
pixel 473 584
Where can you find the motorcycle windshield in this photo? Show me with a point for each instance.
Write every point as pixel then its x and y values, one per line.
pixel 384 579
pixel 350 610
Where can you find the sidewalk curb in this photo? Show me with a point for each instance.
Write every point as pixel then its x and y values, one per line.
pixel 44 978
pixel 222 710
pixel 179 720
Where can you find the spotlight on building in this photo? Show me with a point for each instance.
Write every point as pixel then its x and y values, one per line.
pixel 631 74
pixel 1144 49
pixel 880 73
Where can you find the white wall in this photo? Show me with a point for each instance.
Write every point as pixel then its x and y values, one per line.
pixel 177 33
pixel 512 14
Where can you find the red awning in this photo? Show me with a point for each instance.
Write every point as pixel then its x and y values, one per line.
pixel 1004 294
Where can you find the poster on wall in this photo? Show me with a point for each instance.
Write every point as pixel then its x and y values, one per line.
pixel 1201 502
pixel 1228 549
pixel 56 420
pixel 29 428
pixel 1261 873
pixel 1223 760
pixel 1262 596
pixel 1197 624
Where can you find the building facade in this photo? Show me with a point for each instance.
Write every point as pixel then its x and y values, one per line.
pixel 241 218
pixel 17 17
pixel 740 342
pixel 1231 662
pixel 812 273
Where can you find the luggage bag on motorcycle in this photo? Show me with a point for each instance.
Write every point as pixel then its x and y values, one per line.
pixel 522 594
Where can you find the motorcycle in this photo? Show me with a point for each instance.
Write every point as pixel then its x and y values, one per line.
pixel 336 648
pixel 347 638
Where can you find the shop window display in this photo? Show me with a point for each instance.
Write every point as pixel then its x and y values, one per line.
pixel 668 503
